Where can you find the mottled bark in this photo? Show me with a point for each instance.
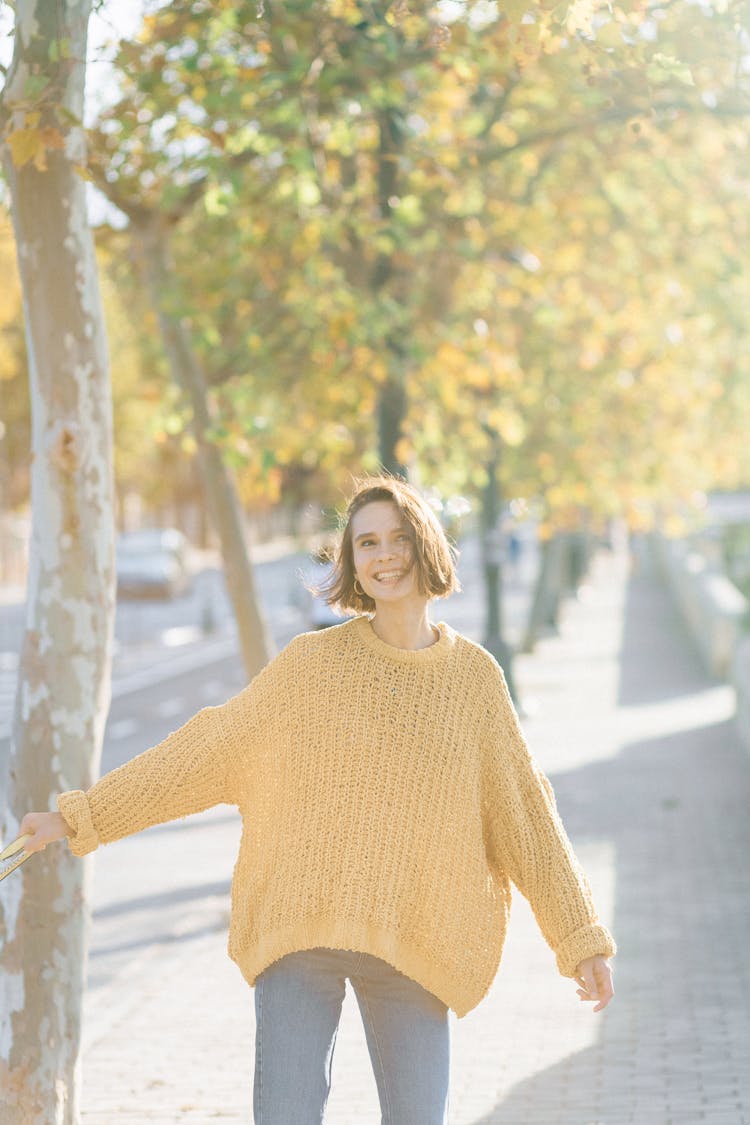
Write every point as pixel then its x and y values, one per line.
pixel 255 642
pixel 63 687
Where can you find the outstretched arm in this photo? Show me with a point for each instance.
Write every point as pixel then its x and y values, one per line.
pixel 191 770
pixel 207 761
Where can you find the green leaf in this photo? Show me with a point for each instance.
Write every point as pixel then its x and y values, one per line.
pixel 609 35
pixel 409 209
pixel 58 49
pixel 233 457
pixel 515 10
pixel 217 200
pixel 308 192
pixel 34 87
pixel 174 424
pixel 663 67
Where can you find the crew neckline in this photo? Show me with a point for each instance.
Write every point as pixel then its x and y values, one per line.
pixel 436 651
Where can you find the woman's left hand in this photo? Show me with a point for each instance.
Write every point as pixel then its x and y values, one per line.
pixel 595 978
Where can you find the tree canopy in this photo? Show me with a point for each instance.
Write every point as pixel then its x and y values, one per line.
pixel 393 226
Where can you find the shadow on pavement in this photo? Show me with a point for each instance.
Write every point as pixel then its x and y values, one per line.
pixel 162 898
pixel 672 1047
pixel 167 937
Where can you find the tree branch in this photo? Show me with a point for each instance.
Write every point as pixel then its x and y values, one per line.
pixel 620 113
pixel 140 212
pixel 499 106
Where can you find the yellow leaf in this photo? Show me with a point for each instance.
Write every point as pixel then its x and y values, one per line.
pixel 25 145
pixel 403 450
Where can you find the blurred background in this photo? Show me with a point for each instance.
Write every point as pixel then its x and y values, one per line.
pixel 500 249
pixel 491 248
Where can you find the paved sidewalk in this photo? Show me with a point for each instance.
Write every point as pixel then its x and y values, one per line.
pixel 654 789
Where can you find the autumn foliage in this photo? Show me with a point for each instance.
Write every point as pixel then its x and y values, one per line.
pixel 394 225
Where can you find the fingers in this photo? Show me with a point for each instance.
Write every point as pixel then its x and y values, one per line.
pixel 33 825
pixel 595 980
pixel 604 983
pixel 29 823
pixel 605 987
pixel 28 827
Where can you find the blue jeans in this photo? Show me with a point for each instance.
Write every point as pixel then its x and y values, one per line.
pixel 297 1010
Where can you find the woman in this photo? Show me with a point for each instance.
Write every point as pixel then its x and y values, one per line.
pixel 388 801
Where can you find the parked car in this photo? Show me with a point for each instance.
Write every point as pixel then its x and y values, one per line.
pixel 153 563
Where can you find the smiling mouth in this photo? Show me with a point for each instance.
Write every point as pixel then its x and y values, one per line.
pixel 388 577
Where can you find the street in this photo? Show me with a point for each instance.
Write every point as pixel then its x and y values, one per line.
pixel 149 631
pixel 653 788
pixel 159 639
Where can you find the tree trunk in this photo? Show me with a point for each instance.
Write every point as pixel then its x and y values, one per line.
pixel 548 589
pixel 63 687
pixel 255 643
pixel 492 561
pixel 392 399
pixel 391 411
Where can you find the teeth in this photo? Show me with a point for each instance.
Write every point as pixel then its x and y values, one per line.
pixel 384 575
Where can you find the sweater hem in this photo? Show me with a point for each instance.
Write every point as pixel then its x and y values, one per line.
pixel 364 937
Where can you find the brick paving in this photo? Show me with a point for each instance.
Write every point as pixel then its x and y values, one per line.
pixel 654 788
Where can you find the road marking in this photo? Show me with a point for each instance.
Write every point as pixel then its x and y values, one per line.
pixel 177 665
pixel 169 707
pixel 122 728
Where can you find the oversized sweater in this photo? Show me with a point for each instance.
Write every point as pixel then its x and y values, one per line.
pixel 388 801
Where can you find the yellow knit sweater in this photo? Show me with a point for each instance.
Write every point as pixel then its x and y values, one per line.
pixel 388 799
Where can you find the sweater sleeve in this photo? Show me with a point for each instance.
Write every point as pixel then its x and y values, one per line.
pixel 200 765
pixel 527 841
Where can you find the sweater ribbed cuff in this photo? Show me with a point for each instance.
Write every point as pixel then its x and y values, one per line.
pixel 76 812
pixel 588 941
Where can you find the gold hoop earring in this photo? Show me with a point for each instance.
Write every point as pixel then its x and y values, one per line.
pixel 359 591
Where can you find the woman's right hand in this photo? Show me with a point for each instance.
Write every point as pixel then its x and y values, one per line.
pixel 43 828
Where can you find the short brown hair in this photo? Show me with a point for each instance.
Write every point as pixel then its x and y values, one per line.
pixel 434 557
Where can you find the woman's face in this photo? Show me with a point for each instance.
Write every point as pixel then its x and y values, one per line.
pixel 383 553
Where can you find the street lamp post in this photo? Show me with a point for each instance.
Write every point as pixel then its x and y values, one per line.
pixel 492 560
